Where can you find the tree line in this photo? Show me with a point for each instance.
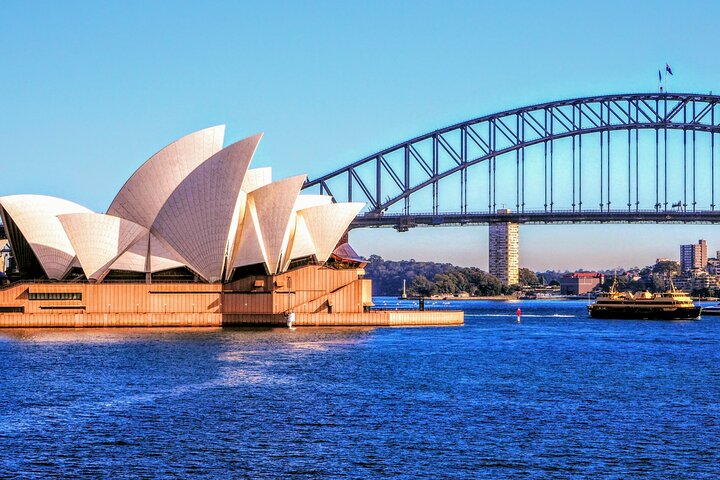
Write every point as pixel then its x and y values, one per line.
pixel 430 278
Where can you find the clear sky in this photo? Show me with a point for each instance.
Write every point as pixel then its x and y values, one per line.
pixel 89 90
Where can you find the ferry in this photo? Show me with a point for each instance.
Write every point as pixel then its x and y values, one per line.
pixel 670 305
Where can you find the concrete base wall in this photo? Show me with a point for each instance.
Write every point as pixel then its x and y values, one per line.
pixel 380 319
pixel 250 319
pixel 376 318
pixel 80 320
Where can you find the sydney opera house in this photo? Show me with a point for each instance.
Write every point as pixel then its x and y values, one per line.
pixel 195 237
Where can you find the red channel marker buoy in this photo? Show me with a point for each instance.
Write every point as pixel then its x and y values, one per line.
pixel 519 313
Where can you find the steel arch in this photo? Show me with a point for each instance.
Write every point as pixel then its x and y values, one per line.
pixel 523 127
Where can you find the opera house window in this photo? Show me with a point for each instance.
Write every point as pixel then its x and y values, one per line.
pixel 54 296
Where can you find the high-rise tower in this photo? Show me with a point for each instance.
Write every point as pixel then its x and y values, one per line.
pixel 504 250
pixel 693 256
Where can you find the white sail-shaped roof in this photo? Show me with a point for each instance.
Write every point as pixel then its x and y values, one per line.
pixel 256 178
pixel 135 259
pixel 236 229
pixel 307 201
pixel 147 190
pixel 251 248
pixel 161 257
pixel 36 217
pixel 301 244
pixel 99 239
pixel 196 219
pixel 327 224
pixel 274 207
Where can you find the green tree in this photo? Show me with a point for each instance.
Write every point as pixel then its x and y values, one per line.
pixel 701 292
pixel 421 286
pixel 445 284
pixel 667 267
pixel 484 283
pixel 527 277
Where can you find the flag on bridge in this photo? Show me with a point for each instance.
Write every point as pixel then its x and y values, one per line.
pixel 668 69
pixel 659 76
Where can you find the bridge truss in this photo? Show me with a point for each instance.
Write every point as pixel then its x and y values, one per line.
pixel 630 158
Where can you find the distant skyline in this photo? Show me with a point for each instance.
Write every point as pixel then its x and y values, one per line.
pixel 91 90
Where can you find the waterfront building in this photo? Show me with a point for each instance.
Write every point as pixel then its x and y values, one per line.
pixel 696 280
pixel 503 258
pixel 713 266
pixel 580 283
pixel 194 237
pixel 693 256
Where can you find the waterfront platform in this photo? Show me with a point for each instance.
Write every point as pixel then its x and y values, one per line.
pixel 106 320
pixel 373 318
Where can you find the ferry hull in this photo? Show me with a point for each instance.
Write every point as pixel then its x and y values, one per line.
pixel 644 313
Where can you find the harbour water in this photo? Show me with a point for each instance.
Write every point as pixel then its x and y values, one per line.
pixel 557 395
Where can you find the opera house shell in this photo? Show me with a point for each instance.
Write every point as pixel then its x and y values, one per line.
pixel 194 237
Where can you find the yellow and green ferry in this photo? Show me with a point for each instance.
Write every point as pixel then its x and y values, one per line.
pixel 670 305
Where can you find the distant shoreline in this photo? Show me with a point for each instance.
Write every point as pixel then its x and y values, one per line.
pixel 514 298
pixel 497 297
pixel 486 297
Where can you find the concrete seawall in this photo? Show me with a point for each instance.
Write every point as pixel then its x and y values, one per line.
pixel 85 320
pixel 380 318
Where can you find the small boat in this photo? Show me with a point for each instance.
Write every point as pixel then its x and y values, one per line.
pixel 670 305
pixel 714 310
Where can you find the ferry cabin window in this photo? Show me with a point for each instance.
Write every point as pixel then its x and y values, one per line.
pixel 54 296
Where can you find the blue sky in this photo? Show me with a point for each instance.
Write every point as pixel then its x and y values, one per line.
pixel 90 90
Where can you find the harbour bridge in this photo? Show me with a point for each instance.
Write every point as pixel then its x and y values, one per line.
pixel 635 158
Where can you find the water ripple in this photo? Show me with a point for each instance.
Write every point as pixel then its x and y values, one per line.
pixel 556 396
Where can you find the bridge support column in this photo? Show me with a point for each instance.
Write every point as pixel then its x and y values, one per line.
pixel 504 250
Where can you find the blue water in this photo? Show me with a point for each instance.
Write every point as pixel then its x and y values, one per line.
pixel 555 396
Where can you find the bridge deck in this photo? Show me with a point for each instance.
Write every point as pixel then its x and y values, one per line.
pixel 404 222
